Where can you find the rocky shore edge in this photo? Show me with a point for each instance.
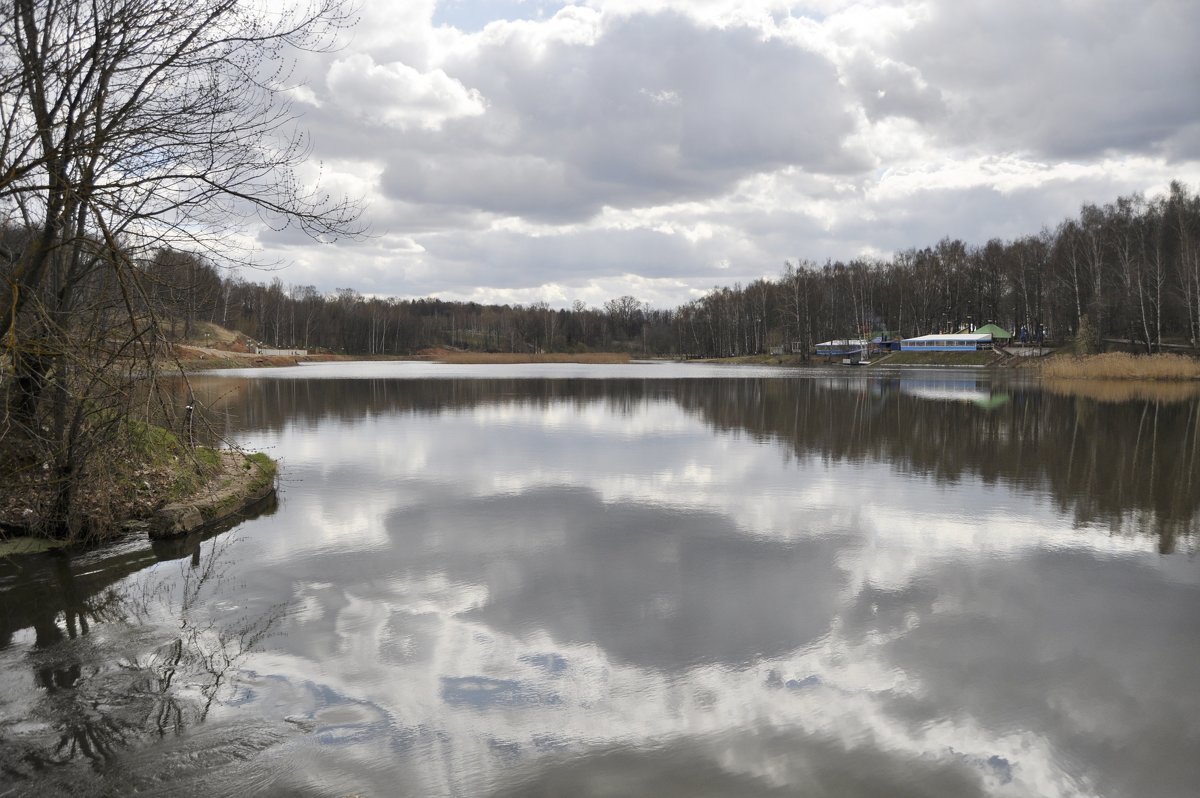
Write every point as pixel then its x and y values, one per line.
pixel 242 481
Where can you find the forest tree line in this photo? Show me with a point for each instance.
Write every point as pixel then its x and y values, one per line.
pixel 1130 267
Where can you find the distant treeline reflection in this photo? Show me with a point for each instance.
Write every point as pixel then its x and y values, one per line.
pixel 1130 465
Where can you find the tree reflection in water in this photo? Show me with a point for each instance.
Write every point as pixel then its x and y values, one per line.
pixel 1124 456
pixel 683 594
pixel 1129 464
pixel 89 705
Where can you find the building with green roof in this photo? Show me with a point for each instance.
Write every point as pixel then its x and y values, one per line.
pixel 998 334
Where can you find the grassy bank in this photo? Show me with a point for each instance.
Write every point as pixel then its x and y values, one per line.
pixel 28 545
pixel 762 360
pixel 1121 366
pixel 983 357
pixel 236 481
pixel 147 468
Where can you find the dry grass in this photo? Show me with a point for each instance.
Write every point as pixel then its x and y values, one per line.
pixel 208 334
pixel 449 356
pixel 1122 366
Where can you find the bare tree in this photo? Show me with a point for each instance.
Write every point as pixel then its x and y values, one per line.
pixel 1184 215
pixel 127 126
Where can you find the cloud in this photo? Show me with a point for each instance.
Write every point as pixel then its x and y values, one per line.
pixel 886 88
pixel 1049 675
pixel 523 185
pixel 776 622
pixel 397 95
pixel 1060 79
pixel 654 110
pixel 521 151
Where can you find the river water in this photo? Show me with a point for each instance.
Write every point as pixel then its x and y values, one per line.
pixel 667 580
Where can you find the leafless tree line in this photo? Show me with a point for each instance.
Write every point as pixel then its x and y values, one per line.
pixel 1131 268
pixel 1128 270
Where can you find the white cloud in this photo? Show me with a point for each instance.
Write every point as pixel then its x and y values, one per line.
pixel 397 95
pixel 629 146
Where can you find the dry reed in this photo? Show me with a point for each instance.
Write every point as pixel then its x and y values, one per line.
pixel 1122 366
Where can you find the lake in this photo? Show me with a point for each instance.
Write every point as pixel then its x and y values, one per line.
pixel 644 579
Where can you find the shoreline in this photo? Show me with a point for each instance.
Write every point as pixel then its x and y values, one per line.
pixel 239 484
pixel 1057 365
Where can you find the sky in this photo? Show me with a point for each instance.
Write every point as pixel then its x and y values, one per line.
pixel 521 151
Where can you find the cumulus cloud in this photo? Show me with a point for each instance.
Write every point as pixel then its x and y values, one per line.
pixel 656 109
pixel 540 149
pixel 397 95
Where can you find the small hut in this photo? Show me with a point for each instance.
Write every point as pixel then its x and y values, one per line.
pixel 999 334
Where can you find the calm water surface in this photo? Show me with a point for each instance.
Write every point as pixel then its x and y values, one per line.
pixel 638 580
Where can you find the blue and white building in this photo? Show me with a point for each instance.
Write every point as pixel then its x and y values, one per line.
pixel 951 342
